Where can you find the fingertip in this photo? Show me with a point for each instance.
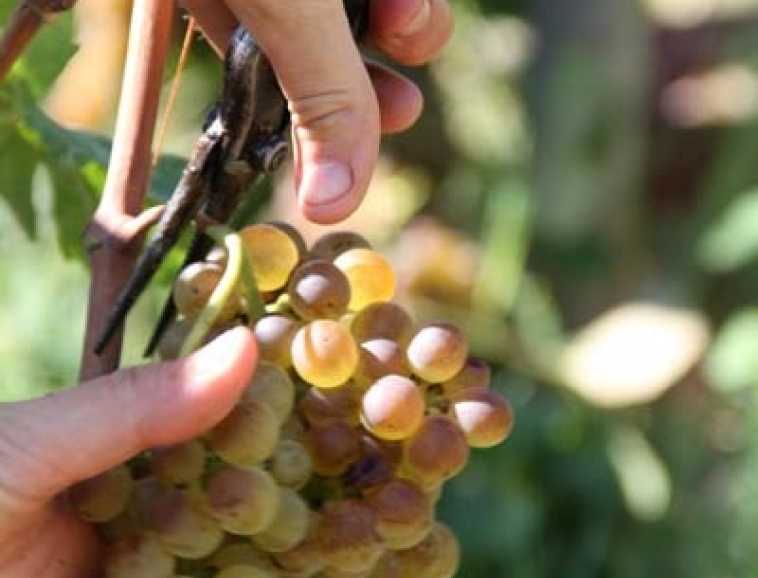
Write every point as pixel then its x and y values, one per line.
pixel 209 383
pixel 401 102
pixel 229 357
pixel 413 32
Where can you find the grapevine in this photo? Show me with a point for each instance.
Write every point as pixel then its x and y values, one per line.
pixel 332 461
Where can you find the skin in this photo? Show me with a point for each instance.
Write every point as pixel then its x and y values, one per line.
pixel 340 109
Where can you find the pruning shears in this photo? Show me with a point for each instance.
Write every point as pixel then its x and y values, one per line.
pixel 245 136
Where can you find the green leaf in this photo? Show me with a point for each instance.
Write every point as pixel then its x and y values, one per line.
pixel 732 240
pixel 164 178
pixel 732 363
pixel 77 161
pixel 73 205
pixel 17 164
pixel 91 152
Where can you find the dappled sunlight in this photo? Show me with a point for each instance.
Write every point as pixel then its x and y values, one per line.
pixel 632 354
pixel 727 94
pixel 689 13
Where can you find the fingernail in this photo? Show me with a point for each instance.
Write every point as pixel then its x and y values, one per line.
pixel 324 183
pixel 419 21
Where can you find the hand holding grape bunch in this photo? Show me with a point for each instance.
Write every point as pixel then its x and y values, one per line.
pixel 333 458
pixel 49 444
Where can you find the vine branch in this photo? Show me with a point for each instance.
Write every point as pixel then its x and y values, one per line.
pixel 114 236
pixel 23 25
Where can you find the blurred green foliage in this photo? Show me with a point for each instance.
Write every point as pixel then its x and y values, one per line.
pixel 547 143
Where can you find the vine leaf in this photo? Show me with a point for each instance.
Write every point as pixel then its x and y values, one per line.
pixel 16 172
pixel 77 162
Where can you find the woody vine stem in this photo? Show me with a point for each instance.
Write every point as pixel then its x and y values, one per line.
pixel 115 234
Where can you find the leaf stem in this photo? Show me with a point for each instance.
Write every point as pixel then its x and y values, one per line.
pixel 225 289
pixel 238 269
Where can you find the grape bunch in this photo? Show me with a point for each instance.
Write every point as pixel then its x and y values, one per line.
pixel 332 461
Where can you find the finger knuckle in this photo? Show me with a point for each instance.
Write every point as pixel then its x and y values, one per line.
pixel 323 113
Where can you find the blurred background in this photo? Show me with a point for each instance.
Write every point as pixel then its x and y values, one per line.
pixel 581 195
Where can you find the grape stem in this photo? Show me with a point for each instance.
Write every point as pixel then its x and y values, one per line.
pixel 223 291
pixel 238 268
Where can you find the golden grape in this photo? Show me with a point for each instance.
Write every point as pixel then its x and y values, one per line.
pixel 371 277
pixel 324 353
pixel 393 408
pixel 272 253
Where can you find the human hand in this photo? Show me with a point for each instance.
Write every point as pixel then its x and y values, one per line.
pixel 339 107
pixel 48 444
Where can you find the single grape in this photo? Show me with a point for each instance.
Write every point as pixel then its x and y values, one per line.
pixel 436 452
pixel 244 501
pixel 171 343
pixel 138 556
pixel 290 525
pixel 293 234
pixel 484 415
pixel 333 448
pixel 324 353
pixel 305 559
pixel 403 512
pixel 179 464
pixel 247 436
pixel 393 408
pixel 241 553
pixel 371 277
pixel 347 536
pixel 378 358
pixel 183 529
pixel 321 407
pixel 103 497
pixel 272 386
pixel 244 571
pixel 273 255
pixel 332 245
pixel 475 373
pixel 382 321
pixel 437 556
pixel 437 352
pixel 317 290
pixel 291 464
pixel 194 286
pixel 274 334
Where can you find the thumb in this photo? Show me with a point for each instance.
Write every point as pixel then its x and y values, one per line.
pixel 335 114
pixel 53 442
